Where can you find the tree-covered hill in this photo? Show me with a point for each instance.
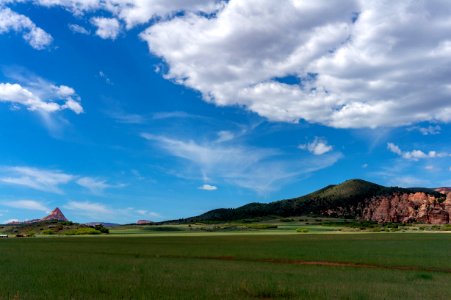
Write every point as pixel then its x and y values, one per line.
pixel 345 196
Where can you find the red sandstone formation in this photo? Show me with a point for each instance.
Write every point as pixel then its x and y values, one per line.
pixel 443 190
pixel 143 222
pixel 415 207
pixel 56 214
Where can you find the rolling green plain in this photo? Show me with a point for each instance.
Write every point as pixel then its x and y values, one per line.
pixel 263 264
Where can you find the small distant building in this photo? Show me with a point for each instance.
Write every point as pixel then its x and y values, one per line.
pixel 144 222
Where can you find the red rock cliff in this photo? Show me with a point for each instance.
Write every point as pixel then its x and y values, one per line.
pixel 414 207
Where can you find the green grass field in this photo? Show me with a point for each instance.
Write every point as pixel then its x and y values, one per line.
pixel 313 266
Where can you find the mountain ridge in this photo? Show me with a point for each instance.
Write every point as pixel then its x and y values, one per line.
pixel 350 199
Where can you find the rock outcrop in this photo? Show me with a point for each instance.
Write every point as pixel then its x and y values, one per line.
pixel 403 208
pixel 443 190
pixel 144 222
pixel 56 214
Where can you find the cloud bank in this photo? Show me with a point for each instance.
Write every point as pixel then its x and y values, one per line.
pixel 357 63
pixel 346 64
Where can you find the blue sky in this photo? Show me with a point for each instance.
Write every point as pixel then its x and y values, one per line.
pixel 120 110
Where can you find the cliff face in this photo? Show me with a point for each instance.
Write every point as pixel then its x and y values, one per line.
pixel 415 207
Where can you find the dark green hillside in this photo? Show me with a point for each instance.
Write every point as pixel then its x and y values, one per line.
pixel 345 196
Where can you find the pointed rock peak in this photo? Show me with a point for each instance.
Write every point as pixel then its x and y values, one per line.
pixel 56 214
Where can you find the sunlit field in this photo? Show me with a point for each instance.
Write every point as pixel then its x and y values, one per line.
pixel 247 266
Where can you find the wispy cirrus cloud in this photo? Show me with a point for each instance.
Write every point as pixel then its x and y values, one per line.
pixel 78 29
pixel 96 185
pixel 50 180
pixel 148 214
pixel 259 169
pixel 225 136
pixel 95 211
pixel 429 130
pixel 87 208
pixel 26 204
pixel 127 118
pixel 175 115
pixel 38 179
pixel 411 173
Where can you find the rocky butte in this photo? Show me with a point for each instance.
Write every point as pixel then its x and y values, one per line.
pixel 56 214
pixel 144 222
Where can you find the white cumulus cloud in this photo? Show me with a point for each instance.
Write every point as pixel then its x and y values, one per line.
pixel 358 63
pixel 208 187
pixel 107 28
pixel 415 154
pixel 134 12
pixel 318 146
pixel 38 94
pixel 33 35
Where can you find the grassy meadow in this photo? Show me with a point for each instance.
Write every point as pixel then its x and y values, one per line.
pixel 294 225
pixel 241 266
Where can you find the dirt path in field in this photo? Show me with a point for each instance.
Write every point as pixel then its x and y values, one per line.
pixel 281 261
pixel 322 263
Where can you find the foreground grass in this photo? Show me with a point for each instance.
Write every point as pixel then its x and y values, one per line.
pixel 228 267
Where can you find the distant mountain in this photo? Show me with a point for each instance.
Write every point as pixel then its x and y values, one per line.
pixel 144 222
pixel 56 214
pixel 351 199
pixel 105 224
